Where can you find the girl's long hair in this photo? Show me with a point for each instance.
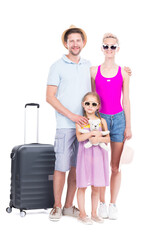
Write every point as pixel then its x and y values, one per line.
pixel 94 94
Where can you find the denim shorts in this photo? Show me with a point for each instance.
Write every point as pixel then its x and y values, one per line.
pixel 66 149
pixel 116 125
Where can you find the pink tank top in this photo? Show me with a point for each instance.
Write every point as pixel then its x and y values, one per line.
pixel 109 90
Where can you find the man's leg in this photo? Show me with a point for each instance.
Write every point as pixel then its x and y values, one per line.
pixel 71 188
pixel 58 185
pixel 69 209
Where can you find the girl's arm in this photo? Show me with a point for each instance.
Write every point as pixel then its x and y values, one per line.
pixel 105 139
pixel 93 72
pixel 126 105
pixel 82 136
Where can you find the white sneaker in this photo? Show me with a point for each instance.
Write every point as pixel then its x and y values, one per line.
pixel 55 214
pixel 102 210
pixel 112 211
pixel 71 211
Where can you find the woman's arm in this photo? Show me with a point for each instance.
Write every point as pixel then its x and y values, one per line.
pixel 126 105
pixel 93 72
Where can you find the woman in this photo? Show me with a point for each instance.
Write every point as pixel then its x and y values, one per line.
pixel 110 80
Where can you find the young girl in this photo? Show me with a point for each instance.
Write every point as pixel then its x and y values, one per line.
pixel 111 82
pixel 92 163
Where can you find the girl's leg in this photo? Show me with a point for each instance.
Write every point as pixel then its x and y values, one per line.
pixel 81 202
pixel 95 199
pixel 115 182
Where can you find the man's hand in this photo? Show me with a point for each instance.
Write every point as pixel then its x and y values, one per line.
pixel 128 70
pixel 80 120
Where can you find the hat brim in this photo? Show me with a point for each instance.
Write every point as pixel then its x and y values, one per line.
pixel 83 32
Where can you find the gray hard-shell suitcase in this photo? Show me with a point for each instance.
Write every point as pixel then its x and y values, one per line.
pixel 32 169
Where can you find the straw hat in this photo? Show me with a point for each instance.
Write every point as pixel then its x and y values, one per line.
pixel 74 27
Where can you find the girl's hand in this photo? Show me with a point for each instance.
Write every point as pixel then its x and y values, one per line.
pixel 107 139
pixel 127 134
pixel 94 140
pixel 96 133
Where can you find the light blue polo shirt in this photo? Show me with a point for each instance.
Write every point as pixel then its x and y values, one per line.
pixel 73 81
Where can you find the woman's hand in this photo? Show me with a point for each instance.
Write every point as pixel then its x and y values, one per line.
pixel 128 70
pixel 127 134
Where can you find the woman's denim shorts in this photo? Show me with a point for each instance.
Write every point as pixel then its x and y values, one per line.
pixel 116 125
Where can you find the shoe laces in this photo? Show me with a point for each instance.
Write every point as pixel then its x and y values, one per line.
pixel 54 210
pixel 75 209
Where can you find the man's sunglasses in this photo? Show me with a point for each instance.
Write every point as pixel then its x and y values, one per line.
pixel 94 104
pixel 112 47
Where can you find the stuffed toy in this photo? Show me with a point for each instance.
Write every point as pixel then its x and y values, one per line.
pixel 95 126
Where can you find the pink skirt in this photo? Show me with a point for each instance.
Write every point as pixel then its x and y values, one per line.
pixel 92 166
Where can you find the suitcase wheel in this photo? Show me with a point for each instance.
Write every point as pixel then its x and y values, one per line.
pixel 22 213
pixel 8 209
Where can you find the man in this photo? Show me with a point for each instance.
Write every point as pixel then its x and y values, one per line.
pixel 68 81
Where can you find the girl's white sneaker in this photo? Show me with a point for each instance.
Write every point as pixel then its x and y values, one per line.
pixel 112 211
pixel 102 210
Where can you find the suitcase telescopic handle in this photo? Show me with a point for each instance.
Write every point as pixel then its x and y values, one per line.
pixel 38 106
pixel 32 104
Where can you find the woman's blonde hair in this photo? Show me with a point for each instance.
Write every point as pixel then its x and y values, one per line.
pixel 94 94
pixel 110 35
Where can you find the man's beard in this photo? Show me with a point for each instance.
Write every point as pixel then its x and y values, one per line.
pixel 75 54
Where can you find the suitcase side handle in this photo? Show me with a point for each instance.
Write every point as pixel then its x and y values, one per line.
pixel 32 104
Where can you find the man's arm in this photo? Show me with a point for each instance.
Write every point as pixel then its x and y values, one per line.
pixel 56 104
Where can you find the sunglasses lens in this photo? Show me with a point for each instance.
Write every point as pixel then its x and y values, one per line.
pixel 113 47
pixel 87 103
pixel 105 47
pixel 94 104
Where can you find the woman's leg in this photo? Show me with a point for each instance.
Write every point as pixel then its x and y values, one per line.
pixel 81 201
pixel 115 182
pixel 94 199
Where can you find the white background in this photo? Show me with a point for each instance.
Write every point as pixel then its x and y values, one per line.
pixel 30 42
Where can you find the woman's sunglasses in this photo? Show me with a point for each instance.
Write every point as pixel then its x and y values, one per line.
pixel 94 104
pixel 112 47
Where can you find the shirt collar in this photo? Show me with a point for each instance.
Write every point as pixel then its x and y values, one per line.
pixel 66 59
